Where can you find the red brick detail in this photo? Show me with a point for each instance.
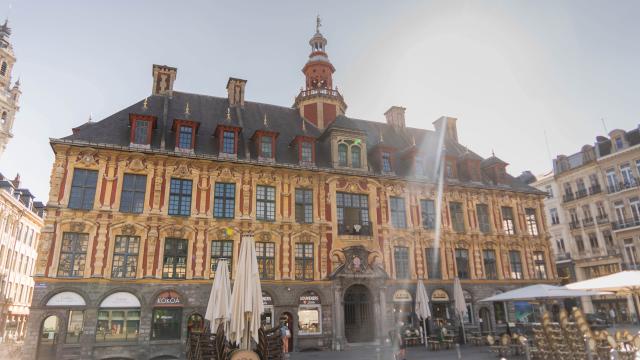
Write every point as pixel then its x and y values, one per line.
pixel 105 252
pixel 162 190
pixel 329 248
pixel 310 112
pixel 53 244
pixel 193 253
pixel 145 254
pixel 156 258
pixel 198 191
pixel 177 123
pixel 329 114
pixel 208 196
pixel 133 122
pixel 219 133
pixel 94 247
pixel 327 208
pixel 204 253
pixel 64 179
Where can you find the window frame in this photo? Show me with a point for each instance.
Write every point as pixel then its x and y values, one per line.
pixel 517 270
pixel 401 262
pixel 176 255
pixel 77 252
pixel 224 204
pixel 304 205
pixel 508 223
pixel 180 133
pixel 342 198
pixel 540 263
pixel 179 197
pixel 343 155
pixel 385 161
pixel 356 164
pixel 433 267
pixel 457 224
pixel 308 145
pixel 531 220
pixel 427 217
pixel 137 194
pixel 85 192
pixel 398 212
pixel 127 255
pixel 225 251
pixel 301 261
pixel 271 146
pixel 224 142
pixel 484 222
pixel 490 263
pixel 125 322
pixel 464 273
pixel 266 256
pixel 266 204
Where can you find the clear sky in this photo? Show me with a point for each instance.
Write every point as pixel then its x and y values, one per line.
pixel 508 70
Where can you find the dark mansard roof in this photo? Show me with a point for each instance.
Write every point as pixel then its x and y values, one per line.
pixel 210 111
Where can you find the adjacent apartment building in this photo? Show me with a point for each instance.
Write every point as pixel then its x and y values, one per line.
pixel 593 214
pixel 145 202
pixel 21 218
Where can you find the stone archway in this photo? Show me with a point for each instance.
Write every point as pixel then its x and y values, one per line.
pixel 48 338
pixel 359 323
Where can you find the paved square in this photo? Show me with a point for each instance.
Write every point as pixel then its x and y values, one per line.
pixel 413 353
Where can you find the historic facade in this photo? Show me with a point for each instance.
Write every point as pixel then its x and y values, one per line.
pixel 20 224
pixel 345 213
pixel 593 207
pixel 9 95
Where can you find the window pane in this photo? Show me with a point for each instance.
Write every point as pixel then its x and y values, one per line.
pixel 355 157
pixel 228 142
pixel 457 216
pixel 401 257
pixel 221 249
pixel 265 203
pixel 342 155
pixel 265 149
pixel 304 261
pixel 428 214
pixel 304 206
pixel 462 263
pixel 72 254
pixel 490 269
pixel 180 197
pixel 398 213
pixel 433 263
pixel 224 200
pixel 185 137
pixel 353 214
pixel 83 189
pixel 133 190
pixel 175 259
pixel 166 323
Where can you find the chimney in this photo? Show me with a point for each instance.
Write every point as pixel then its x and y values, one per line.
pixel 395 117
pixel 163 78
pixel 449 124
pixel 235 91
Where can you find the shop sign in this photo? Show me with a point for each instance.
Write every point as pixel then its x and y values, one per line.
pixel 168 298
pixel 402 295
pixel 439 295
pixel 309 298
pixel 266 299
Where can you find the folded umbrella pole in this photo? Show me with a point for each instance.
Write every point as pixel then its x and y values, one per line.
pixel 219 306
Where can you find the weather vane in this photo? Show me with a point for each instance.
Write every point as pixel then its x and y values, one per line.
pixel 318 23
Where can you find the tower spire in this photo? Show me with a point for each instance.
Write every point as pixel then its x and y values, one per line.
pixel 318 24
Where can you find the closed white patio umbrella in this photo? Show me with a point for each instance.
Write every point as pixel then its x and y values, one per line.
pixel 246 298
pixel 460 306
pixel 620 283
pixel 422 308
pixel 540 292
pixel 219 305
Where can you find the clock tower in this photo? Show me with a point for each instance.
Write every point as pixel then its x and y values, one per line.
pixel 319 102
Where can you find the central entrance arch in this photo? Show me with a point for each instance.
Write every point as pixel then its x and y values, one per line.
pixel 358 315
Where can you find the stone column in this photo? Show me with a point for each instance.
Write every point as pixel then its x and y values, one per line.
pixel 338 317
pixel 381 314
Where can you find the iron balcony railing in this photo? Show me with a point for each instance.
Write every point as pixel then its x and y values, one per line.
pixel 581 193
pixel 595 189
pixel 623 185
pixel 625 224
pixel 626 266
pixel 359 230
pixel 574 225
pixel 602 219
pixel 587 222
pixel 568 197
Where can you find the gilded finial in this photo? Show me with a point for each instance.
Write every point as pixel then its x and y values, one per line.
pixel 90 120
pixel 228 114
pixel 304 126
pixel 186 110
pixel 318 23
pixel 493 153
pixel 145 104
pixel 264 121
pixel 381 137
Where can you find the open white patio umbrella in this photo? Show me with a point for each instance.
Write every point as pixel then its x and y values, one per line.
pixel 620 283
pixel 219 305
pixel 460 306
pixel 246 298
pixel 422 308
pixel 540 292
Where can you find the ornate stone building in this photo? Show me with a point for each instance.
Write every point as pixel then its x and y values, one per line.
pixel 145 202
pixel 9 95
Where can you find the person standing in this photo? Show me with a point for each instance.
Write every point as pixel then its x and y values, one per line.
pixel 285 334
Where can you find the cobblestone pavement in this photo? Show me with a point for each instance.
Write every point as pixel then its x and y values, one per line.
pixel 413 353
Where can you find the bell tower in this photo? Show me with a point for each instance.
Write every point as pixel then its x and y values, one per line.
pixel 9 95
pixel 319 102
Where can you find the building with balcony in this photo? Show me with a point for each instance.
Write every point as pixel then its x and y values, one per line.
pixel 598 226
pixel 145 202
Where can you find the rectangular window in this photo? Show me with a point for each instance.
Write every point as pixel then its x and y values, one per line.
pixel 428 214
pixel 539 265
pixel 304 206
pixel 185 137
pixel 118 325
pixel 508 225
pixel 593 240
pixel 490 268
pixel 266 149
pixel 180 197
pixel 167 323
pixel 83 189
pixel 462 263
pixel 266 255
pixel 306 152
pixel 132 197
pixel 228 142
pixel 516 265
pixel 549 191
pixel 553 214
pixel 125 256
pixel 579 243
pixel 174 262
pixel 266 203
pixel 484 223
pixel 386 162
pixel 353 214
pixel 457 216
pixel 221 249
pixel 433 263
pixel 74 329
pixel 73 254
pixel 398 212
pixel 532 222
pixel 224 200
pixel 304 261
pixel 141 135
pixel 401 258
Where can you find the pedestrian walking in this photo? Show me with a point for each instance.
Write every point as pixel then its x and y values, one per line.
pixel 285 334
pixel 399 347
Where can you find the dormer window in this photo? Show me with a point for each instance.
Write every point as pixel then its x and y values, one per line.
pixel 342 154
pixel 619 143
pixel 355 157
pixel 185 134
pixel 266 146
pixel 185 137
pixel 141 126
pixel 386 161
pixel 306 152
pixel 228 142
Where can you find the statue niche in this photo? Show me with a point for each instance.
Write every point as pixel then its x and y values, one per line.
pixel 357 261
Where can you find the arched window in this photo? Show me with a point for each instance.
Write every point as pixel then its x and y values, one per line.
pixel 3 68
pixel 355 157
pixel 195 324
pixel 48 338
pixel 342 155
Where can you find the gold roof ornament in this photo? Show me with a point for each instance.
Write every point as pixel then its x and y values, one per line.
pixel 186 109
pixel 228 114
pixel 264 121
pixel 304 126
pixel 145 104
pixel 381 137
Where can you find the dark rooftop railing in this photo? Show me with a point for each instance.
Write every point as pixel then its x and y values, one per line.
pixel 581 193
pixel 623 185
pixel 568 197
pixel 304 94
pixel 625 224
pixel 595 189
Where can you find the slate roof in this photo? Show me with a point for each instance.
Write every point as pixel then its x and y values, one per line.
pixel 210 111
